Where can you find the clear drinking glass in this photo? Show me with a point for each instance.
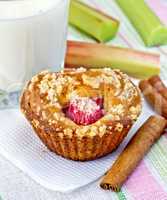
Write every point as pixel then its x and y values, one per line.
pixel 33 37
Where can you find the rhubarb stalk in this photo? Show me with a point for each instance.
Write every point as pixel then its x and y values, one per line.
pixel 92 55
pixel 93 22
pixel 145 21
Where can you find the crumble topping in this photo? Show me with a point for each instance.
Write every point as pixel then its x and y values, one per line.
pixel 34 79
pixel 44 72
pixel 134 111
pixel 80 69
pixel 68 132
pixel 119 127
pixel 84 129
pixel 59 116
pixel 92 81
pixel 74 70
pixel 93 131
pixel 129 91
pixel 53 87
pixel 44 86
pixel 112 117
pixel 102 130
pixel 117 109
pixel 110 77
pixel 85 104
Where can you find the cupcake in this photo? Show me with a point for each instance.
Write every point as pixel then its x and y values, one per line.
pixel 81 114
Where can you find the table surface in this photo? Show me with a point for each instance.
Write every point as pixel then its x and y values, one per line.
pixel 15 185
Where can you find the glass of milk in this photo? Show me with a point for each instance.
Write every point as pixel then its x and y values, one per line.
pixel 32 38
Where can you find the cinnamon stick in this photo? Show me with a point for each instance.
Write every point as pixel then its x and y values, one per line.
pixel 158 84
pixel 133 153
pixel 156 100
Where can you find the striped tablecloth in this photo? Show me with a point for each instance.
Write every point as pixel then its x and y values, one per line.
pixel 149 180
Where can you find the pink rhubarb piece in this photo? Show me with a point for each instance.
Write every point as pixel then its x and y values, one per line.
pixel 84 110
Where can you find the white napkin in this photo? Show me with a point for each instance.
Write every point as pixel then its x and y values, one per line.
pixel 20 145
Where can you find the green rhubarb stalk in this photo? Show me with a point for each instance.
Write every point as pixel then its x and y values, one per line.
pixel 149 26
pixel 93 22
pixel 92 55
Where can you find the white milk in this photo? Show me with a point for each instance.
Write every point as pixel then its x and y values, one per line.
pixel 32 38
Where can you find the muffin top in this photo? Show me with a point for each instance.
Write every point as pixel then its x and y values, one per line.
pixel 84 102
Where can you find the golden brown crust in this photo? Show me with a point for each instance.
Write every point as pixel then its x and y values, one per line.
pixel 48 93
